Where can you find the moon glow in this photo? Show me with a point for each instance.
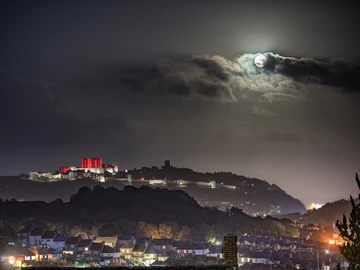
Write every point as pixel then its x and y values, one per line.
pixel 260 60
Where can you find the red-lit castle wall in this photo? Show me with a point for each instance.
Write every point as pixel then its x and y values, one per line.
pixel 64 169
pixel 91 163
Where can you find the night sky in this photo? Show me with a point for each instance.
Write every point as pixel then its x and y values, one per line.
pixel 137 82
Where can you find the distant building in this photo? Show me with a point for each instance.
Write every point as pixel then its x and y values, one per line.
pixel 230 249
pixel 47 238
pixel 167 165
pixel 163 245
pixel 125 239
pixel 35 236
pixel 23 235
pixel 92 168
pixel 58 243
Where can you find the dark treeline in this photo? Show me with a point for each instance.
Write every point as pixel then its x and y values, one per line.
pixel 142 211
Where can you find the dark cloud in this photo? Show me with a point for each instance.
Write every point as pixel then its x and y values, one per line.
pixel 32 115
pixel 193 77
pixel 340 73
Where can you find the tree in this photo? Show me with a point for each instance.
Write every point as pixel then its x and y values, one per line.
pixel 350 231
pixel 165 231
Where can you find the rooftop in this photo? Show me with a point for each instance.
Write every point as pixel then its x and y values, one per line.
pixel 48 235
pixel 72 240
pixel 84 243
pixel 107 249
pixel 37 231
pixel 162 242
pixel 126 237
pixel 61 237
pixel 96 246
pixel 26 229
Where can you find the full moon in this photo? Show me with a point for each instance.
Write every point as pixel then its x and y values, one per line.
pixel 260 60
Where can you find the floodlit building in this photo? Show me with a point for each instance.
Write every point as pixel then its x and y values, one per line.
pixel 230 249
pixel 90 168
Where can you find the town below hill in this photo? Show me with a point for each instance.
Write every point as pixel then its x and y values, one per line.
pixel 147 226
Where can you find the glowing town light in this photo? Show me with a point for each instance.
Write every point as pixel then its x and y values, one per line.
pixel 260 60
pixel 11 260
pixel 315 206
pixel 332 242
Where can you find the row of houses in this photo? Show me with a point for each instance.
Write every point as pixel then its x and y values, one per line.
pixel 126 249
pixel 30 236
pixel 116 250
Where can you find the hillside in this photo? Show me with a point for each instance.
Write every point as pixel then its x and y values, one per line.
pixel 324 216
pixel 251 194
pixel 116 211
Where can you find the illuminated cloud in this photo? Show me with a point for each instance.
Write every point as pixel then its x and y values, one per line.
pixel 262 112
pixel 220 79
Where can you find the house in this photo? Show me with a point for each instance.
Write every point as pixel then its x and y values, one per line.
pixel 70 246
pixel 57 254
pixel 163 244
pixel 82 246
pixel 200 248
pixel 42 253
pixel 23 235
pixel 109 256
pixel 93 252
pixel 182 248
pixel 145 240
pixel 138 252
pixel 150 255
pixel 261 243
pixel 58 243
pixel 255 257
pixel 127 249
pixel 164 256
pixel 16 253
pixel 109 241
pixel 35 236
pixel 124 239
pixel 247 241
pixel 215 251
pixel 47 238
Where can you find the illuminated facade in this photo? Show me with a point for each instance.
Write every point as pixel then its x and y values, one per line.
pixel 91 163
pixel 91 168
